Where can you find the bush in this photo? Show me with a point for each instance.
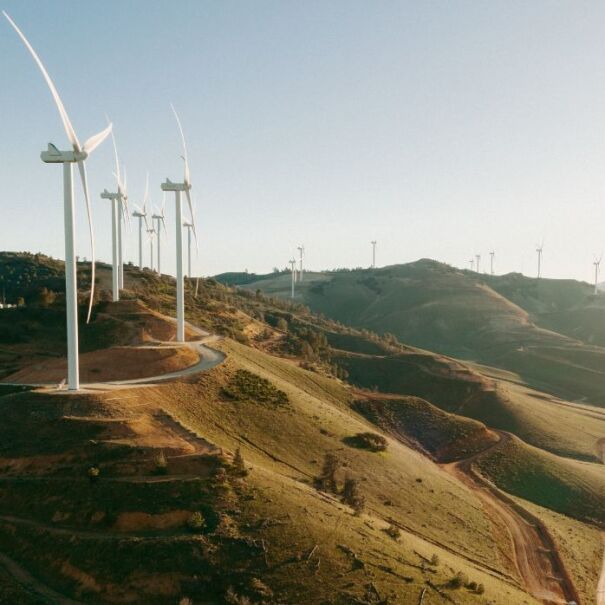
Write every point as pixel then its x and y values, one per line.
pixel 245 386
pixel 367 441
pixel 435 560
pixel 480 589
pixel 351 495
pixel 161 464
pixel 93 473
pixel 239 466
pixel 458 581
pixel 393 531
pixel 196 522
pixel 327 479
pixel 472 586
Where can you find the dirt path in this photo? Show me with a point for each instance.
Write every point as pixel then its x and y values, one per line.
pixel 535 554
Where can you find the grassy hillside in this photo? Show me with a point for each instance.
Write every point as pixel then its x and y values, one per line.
pixel 547 331
pixel 345 493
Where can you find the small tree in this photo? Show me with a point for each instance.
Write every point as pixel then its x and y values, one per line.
pixel 196 522
pixel 239 466
pixel 282 325
pixel 351 495
pixel 327 479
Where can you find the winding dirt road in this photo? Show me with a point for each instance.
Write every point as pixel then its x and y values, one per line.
pixel 536 558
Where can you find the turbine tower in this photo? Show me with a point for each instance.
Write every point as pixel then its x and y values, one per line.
pixel 124 217
pixel 150 233
pixel 491 262
pixel 189 226
pixel 185 186
pixel 78 154
pixel 115 277
pixel 301 252
pixel 539 251
pixel 597 266
pixel 158 220
pixel 293 270
pixel 478 257
pixel 471 262
pixel 373 242
pixel 141 214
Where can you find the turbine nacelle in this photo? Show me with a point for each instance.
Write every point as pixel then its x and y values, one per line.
pixel 106 195
pixel 168 185
pixel 54 156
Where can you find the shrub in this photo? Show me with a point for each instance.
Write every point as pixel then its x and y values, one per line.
pixel 161 464
pixel 480 589
pixel 351 495
pixel 282 325
pixel 196 522
pixel 233 598
pixel 472 586
pixel 239 466
pixel 327 479
pixel 393 531
pixel 458 581
pixel 435 560
pixel 93 473
pixel 245 386
pixel 367 441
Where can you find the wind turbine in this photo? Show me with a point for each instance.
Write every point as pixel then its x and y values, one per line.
pixel 115 272
pixel 185 186
pixel 159 217
pixel 293 270
pixel 124 218
pixel 301 252
pixel 597 265
pixel 78 154
pixel 189 226
pixel 539 251
pixel 472 263
pixel 491 262
pixel 478 257
pixel 373 242
pixel 150 233
pixel 141 214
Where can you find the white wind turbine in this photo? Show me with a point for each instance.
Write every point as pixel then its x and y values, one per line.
pixel 373 242
pixel 141 214
pixel 539 251
pixel 472 263
pixel 597 266
pixel 150 233
pixel 491 262
pixel 161 222
pixel 115 272
pixel 124 218
pixel 293 270
pixel 185 186
pixel 189 226
pixel 77 154
pixel 301 252
pixel 478 258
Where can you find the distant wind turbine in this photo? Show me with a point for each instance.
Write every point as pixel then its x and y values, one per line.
pixel 185 186
pixel 293 270
pixel 115 271
pixel 78 154
pixel 478 257
pixel 491 262
pixel 373 242
pixel 141 214
pixel 539 251
pixel 472 264
pixel 301 252
pixel 160 222
pixel 150 233
pixel 597 266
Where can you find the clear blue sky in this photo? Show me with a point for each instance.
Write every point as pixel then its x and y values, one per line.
pixel 441 129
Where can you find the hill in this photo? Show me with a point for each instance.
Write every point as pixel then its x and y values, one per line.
pixel 548 332
pixel 356 488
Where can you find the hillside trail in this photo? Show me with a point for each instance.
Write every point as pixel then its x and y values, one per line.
pixel 536 557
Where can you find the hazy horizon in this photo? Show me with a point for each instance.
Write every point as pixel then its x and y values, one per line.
pixel 442 130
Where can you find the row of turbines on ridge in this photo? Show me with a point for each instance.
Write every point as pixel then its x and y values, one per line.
pixel 78 155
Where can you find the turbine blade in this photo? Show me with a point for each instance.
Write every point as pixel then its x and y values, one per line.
pixel 93 142
pixel 188 194
pixel 178 121
pixel 69 129
pixel 84 179
pixel 115 153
